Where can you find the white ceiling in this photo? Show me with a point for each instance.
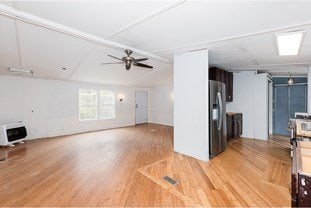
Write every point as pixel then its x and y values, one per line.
pixel 100 18
pixel 240 36
pixel 201 21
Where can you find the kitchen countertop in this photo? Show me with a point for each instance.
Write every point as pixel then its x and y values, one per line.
pixel 305 152
pixel 231 113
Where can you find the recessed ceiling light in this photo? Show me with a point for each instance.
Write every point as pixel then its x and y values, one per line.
pixel 289 43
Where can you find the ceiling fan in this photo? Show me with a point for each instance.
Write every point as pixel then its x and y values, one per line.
pixel 128 60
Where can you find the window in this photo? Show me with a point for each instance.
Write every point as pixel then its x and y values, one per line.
pixel 106 104
pixel 94 105
pixel 88 105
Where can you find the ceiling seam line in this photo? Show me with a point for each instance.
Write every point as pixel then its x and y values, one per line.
pixel 38 21
pixel 234 37
pixel 81 61
pixel 19 44
pixel 284 64
pixel 144 76
pixel 269 70
pixel 21 59
pixel 248 54
pixel 145 18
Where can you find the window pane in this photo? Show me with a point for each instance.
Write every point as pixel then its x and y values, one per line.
pixel 106 104
pixel 88 104
pixel 88 97
pixel 88 112
pixel 106 111
pixel 106 97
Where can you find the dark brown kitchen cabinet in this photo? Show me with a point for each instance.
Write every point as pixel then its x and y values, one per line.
pixel 217 74
pixel 237 125
pixel 229 86
pixel 229 127
pixel 223 76
pixel 234 125
pixel 212 73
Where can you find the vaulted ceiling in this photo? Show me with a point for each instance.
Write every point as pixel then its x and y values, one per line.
pixel 78 35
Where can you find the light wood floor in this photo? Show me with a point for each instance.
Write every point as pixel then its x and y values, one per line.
pixel 124 167
pixel 280 139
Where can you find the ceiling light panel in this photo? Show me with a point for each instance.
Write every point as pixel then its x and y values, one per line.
pixel 289 43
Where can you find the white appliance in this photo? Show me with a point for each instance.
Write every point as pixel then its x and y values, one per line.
pixel 12 133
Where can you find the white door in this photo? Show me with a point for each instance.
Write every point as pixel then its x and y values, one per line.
pixel 141 107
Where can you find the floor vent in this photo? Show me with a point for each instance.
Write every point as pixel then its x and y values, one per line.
pixel 170 180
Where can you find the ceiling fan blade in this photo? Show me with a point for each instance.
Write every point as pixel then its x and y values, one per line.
pixel 143 65
pixel 143 69
pixel 115 57
pixel 141 59
pixel 111 63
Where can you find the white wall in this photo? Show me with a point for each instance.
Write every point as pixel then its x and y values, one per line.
pixel 270 105
pixel 50 107
pixel 309 90
pixel 191 104
pixel 161 105
pixel 250 97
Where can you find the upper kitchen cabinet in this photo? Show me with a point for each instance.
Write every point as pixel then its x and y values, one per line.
pixel 229 86
pixel 212 73
pixel 223 76
pixel 217 74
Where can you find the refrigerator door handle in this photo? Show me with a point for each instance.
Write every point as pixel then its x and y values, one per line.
pixel 220 119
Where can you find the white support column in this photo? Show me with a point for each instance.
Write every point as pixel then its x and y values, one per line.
pixel 309 91
pixel 191 104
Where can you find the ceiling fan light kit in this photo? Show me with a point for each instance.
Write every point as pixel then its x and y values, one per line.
pixel 128 60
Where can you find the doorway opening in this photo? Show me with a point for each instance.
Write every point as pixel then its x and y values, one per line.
pixel 287 100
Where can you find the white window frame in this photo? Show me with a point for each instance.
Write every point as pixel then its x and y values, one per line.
pixel 113 104
pixel 98 105
pixel 96 117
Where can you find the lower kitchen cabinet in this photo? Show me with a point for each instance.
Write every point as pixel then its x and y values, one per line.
pixel 234 125
pixel 237 125
pixel 229 127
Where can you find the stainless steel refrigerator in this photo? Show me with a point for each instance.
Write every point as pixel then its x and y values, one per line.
pixel 217 118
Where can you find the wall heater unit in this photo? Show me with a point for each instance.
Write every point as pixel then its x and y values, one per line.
pixel 12 133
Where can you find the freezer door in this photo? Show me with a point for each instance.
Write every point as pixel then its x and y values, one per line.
pixel 223 130
pixel 214 114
